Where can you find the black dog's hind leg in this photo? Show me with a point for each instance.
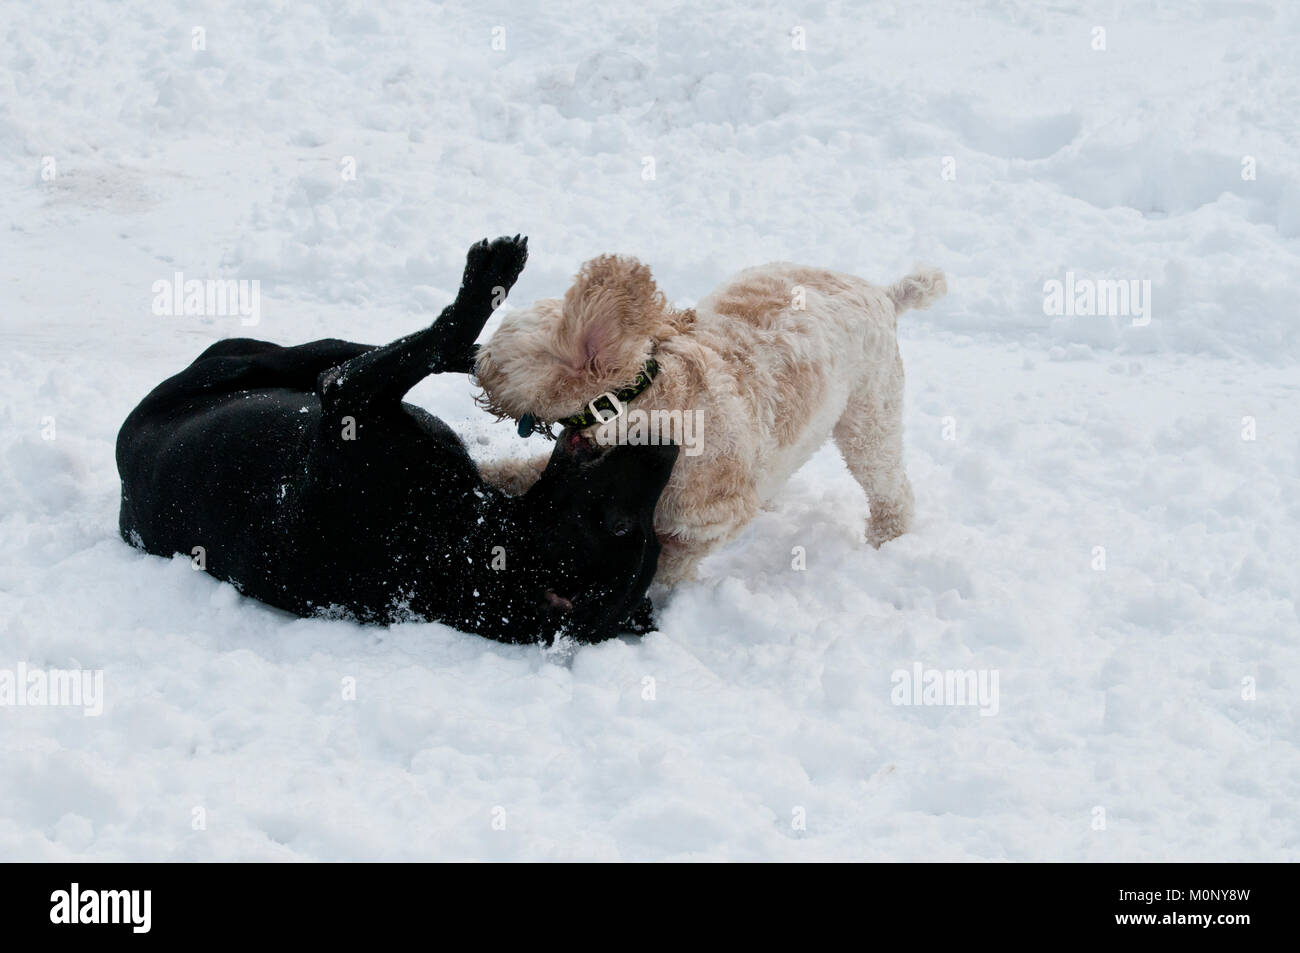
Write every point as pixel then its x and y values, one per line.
pixel 237 364
pixel 262 364
pixel 319 355
pixel 385 374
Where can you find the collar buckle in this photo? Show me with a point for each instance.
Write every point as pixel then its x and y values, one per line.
pixel 619 408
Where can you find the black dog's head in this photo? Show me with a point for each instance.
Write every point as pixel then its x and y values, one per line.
pixel 594 534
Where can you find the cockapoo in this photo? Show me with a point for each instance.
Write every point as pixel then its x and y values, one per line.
pixel 763 370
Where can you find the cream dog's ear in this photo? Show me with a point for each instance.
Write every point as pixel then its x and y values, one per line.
pixel 613 300
pixel 488 375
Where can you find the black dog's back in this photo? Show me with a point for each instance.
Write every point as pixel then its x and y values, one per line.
pixel 300 476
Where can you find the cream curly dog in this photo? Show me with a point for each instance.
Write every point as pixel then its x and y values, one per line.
pixel 771 364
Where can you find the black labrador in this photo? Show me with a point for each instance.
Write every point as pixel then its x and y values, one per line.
pixel 299 475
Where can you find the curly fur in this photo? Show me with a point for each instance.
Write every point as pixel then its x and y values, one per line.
pixel 778 359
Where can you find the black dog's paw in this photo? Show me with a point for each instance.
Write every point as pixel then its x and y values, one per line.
pixel 510 255
pixel 491 269
pixel 641 620
pixel 495 264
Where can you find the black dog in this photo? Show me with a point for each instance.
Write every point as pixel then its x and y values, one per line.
pixel 300 476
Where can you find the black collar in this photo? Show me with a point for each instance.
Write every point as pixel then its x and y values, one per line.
pixel 605 407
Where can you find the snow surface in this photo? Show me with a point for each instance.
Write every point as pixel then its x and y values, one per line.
pixel 1125 689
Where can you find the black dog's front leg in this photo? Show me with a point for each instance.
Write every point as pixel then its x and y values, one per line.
pixel 491 270
pixel 387 373
pixel 464 364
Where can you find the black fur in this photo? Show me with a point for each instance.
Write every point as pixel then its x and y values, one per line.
pixel 245 454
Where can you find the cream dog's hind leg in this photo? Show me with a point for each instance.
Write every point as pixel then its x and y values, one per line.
pixel 869 435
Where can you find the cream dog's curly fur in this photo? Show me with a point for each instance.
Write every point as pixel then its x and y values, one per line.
pixel 777 359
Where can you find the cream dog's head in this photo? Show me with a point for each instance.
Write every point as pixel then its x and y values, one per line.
pixel 553 357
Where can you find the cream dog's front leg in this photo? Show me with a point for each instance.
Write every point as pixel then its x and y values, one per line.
pixel 695 519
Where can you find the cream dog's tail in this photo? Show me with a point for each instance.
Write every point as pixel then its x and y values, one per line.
pixel 921 288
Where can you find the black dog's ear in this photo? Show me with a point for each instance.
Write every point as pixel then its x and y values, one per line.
pixel 655 460
pixel 661 459
pixel 624 472
pixel 635 474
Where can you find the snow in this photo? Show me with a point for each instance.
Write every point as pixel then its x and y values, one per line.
pixel 1158 693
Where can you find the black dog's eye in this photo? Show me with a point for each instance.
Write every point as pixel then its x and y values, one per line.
pixel 621 529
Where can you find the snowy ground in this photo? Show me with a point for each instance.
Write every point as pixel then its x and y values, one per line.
pixel 1146 710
